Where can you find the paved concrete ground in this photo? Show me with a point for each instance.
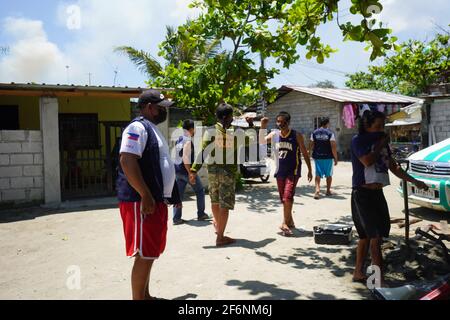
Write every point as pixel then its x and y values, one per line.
pixel 38 247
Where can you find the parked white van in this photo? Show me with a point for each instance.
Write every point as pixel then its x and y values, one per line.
pixel 432 166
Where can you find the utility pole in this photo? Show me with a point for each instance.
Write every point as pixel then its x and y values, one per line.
pixel 262 103
pixel 115 76
pixel 89 78
pixel 67 71
pixel 261 111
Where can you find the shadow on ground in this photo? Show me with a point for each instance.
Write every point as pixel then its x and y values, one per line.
pixel 340 192
pixel 338 260
pixel 429 214
pixel 243 243
pixel 267 290
pixel 22 214
pixel 186 297
pixel 196 223
pixel 342 220
pixel 263 199
pixel 255 182
pixel 299 234
pixel 318 258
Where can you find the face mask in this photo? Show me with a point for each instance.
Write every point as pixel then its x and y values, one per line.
pixel 161 117
pixel 227 123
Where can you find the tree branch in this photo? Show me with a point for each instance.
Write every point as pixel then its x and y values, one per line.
pixel 227 82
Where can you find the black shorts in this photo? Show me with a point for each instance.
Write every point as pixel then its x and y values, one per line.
pixel 370 213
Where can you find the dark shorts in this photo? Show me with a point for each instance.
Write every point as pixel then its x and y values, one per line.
pixel 286 188
pixel 370 213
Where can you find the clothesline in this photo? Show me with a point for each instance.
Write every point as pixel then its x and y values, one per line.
pixel 352 111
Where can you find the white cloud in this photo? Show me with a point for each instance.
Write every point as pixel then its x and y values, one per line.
pixel 182 10
pixel 32 57
pixel 105 24
pixel 413 15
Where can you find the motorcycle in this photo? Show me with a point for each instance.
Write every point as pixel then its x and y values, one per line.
pixel 256 169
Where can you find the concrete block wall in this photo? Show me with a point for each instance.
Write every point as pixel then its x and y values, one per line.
pixel 304 108
pixel 440 118
pixel 21 167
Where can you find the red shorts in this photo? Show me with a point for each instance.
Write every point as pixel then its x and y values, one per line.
pixel 144 236
pixel 286 188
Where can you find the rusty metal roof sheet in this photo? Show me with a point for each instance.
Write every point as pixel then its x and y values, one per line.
pixel 352 95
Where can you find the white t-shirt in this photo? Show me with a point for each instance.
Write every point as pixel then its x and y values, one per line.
pixel 134 139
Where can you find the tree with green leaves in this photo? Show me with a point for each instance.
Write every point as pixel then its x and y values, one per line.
pixel 410 70
pixel 250 29
pixel 324 84
pixel 180 52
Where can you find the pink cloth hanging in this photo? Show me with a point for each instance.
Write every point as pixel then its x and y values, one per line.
pixel 348 116
pixel 381 107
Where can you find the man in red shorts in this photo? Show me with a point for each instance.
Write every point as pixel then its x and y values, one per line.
pixel 145 185
pixel 289 146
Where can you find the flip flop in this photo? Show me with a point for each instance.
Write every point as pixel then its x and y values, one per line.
pixel 286 232
pixel 316 196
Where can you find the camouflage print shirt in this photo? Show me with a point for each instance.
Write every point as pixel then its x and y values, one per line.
pixel 219 149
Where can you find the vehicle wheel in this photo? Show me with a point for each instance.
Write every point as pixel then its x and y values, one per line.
pixel 265 178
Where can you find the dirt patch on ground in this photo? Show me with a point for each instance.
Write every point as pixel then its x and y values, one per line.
pixel 422 260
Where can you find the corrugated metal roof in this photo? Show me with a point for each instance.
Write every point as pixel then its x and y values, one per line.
pixel 352 95
pixel 72 87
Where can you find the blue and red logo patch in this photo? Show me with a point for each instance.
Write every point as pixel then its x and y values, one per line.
pixel 133 136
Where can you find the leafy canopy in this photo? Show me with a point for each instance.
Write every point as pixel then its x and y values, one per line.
pixel 249 28
pixel 410 70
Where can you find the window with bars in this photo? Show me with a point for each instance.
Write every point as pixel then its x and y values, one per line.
pixel 317 121
pixel 79 131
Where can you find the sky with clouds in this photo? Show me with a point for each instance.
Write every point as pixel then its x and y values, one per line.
pixel 52 41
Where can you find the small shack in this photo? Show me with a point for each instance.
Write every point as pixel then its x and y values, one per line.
pixel 343 107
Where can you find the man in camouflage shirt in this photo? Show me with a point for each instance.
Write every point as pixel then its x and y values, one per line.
pixel 221 145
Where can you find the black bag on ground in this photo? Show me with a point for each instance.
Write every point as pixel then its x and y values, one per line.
pixel 334 234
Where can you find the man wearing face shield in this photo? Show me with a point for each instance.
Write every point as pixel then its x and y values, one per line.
pixel 145 186
pixel 221 145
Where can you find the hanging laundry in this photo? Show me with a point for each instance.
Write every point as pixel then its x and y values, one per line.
pixel 381 107
pixel 348 116
pixel 389 109
pixel 355 111
pixel 363 108
pixel 373 107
